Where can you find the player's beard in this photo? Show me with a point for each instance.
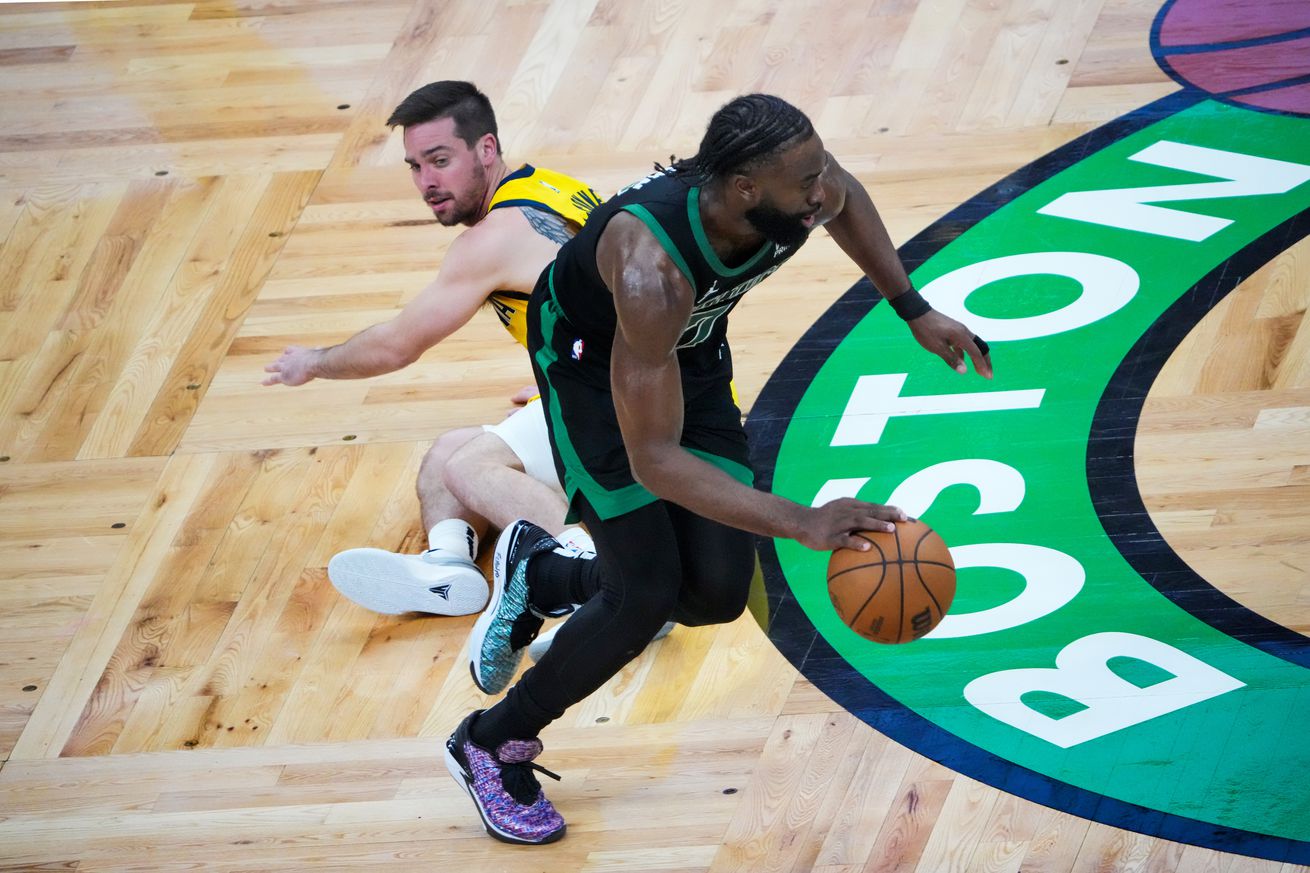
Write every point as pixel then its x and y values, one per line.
pixel 778 227
pixel 467 208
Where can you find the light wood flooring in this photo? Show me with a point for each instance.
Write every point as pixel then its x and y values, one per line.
pixel 186 187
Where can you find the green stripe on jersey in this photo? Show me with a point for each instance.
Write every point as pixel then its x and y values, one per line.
pixel 703 241
pixel 653 224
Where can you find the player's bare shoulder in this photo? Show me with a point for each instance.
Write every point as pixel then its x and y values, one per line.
pixel 628 253
pixel 513 244
pixel 548 225
pixel 501 233
pixel 516 222
pixel 624 230
pixel 641 275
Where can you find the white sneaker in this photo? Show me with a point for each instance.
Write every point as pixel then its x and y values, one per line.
pixel 538 647
pixel 435 582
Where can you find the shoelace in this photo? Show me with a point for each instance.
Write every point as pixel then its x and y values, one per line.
pixel 521 784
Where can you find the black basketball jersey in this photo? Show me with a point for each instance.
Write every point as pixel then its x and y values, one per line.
pixel 670 208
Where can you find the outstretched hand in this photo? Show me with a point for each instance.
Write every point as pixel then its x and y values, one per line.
pixel 834 525
pixel 950 340
pixel 294 367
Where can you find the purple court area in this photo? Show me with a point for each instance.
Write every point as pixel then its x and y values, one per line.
pixel 1248 52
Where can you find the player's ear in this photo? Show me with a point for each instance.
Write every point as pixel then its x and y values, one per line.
pixel 488 147
pixel 746 188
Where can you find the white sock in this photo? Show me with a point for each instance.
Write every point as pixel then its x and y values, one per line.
pixel 454 535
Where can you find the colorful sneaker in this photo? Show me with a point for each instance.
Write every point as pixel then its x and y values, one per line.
pixel 507 795
pixel 436 582
pixel 538 647
pixel 510 622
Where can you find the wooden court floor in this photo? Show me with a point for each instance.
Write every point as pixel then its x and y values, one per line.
pixel 187 187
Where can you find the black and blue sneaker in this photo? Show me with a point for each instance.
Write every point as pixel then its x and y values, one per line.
pixel 510 622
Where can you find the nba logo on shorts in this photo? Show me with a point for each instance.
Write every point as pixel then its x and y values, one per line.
pixel 577 350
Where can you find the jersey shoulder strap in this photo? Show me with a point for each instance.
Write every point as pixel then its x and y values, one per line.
pixel 670 209
pixel 545 189
pixel 548 191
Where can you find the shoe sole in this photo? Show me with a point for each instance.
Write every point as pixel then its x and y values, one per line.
pixel 463 779
pixel 384 582
pixel 483 624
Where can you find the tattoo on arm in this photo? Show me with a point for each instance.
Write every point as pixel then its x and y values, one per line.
pixel 549 225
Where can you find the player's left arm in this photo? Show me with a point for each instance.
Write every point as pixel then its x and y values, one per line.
pixel 858 229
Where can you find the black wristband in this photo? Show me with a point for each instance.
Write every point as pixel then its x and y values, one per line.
pixel 909 304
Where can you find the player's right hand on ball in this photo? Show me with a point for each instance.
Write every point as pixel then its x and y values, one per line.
pixel 834 525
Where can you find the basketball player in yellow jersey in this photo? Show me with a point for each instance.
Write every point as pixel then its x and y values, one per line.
pixel 515 222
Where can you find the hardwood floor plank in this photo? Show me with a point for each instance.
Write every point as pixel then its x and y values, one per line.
pixel 188 187
pixel 244 269
pixel 76 679
pixel 955 844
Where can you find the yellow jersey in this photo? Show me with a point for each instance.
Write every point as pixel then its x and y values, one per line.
pixel 551 192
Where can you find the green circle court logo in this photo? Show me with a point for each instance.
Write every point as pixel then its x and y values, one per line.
pixel 1083 666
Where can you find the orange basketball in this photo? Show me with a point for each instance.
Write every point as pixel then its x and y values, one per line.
pixel 899 589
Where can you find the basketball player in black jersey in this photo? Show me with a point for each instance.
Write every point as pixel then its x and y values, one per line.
pixel 627 332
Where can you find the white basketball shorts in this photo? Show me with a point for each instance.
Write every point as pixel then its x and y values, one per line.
pixel 525 434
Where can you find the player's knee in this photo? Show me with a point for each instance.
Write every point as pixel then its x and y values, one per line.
pixel 443 448
pixel 717 594
pixel 484 451
pixel 475 458
pixel 699 609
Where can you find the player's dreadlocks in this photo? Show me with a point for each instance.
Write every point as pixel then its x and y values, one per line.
pixel 743 134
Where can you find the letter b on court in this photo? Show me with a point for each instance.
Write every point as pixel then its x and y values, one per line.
pixel 1082 673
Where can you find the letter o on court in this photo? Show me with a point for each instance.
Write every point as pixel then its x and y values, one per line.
pixel 1106 286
